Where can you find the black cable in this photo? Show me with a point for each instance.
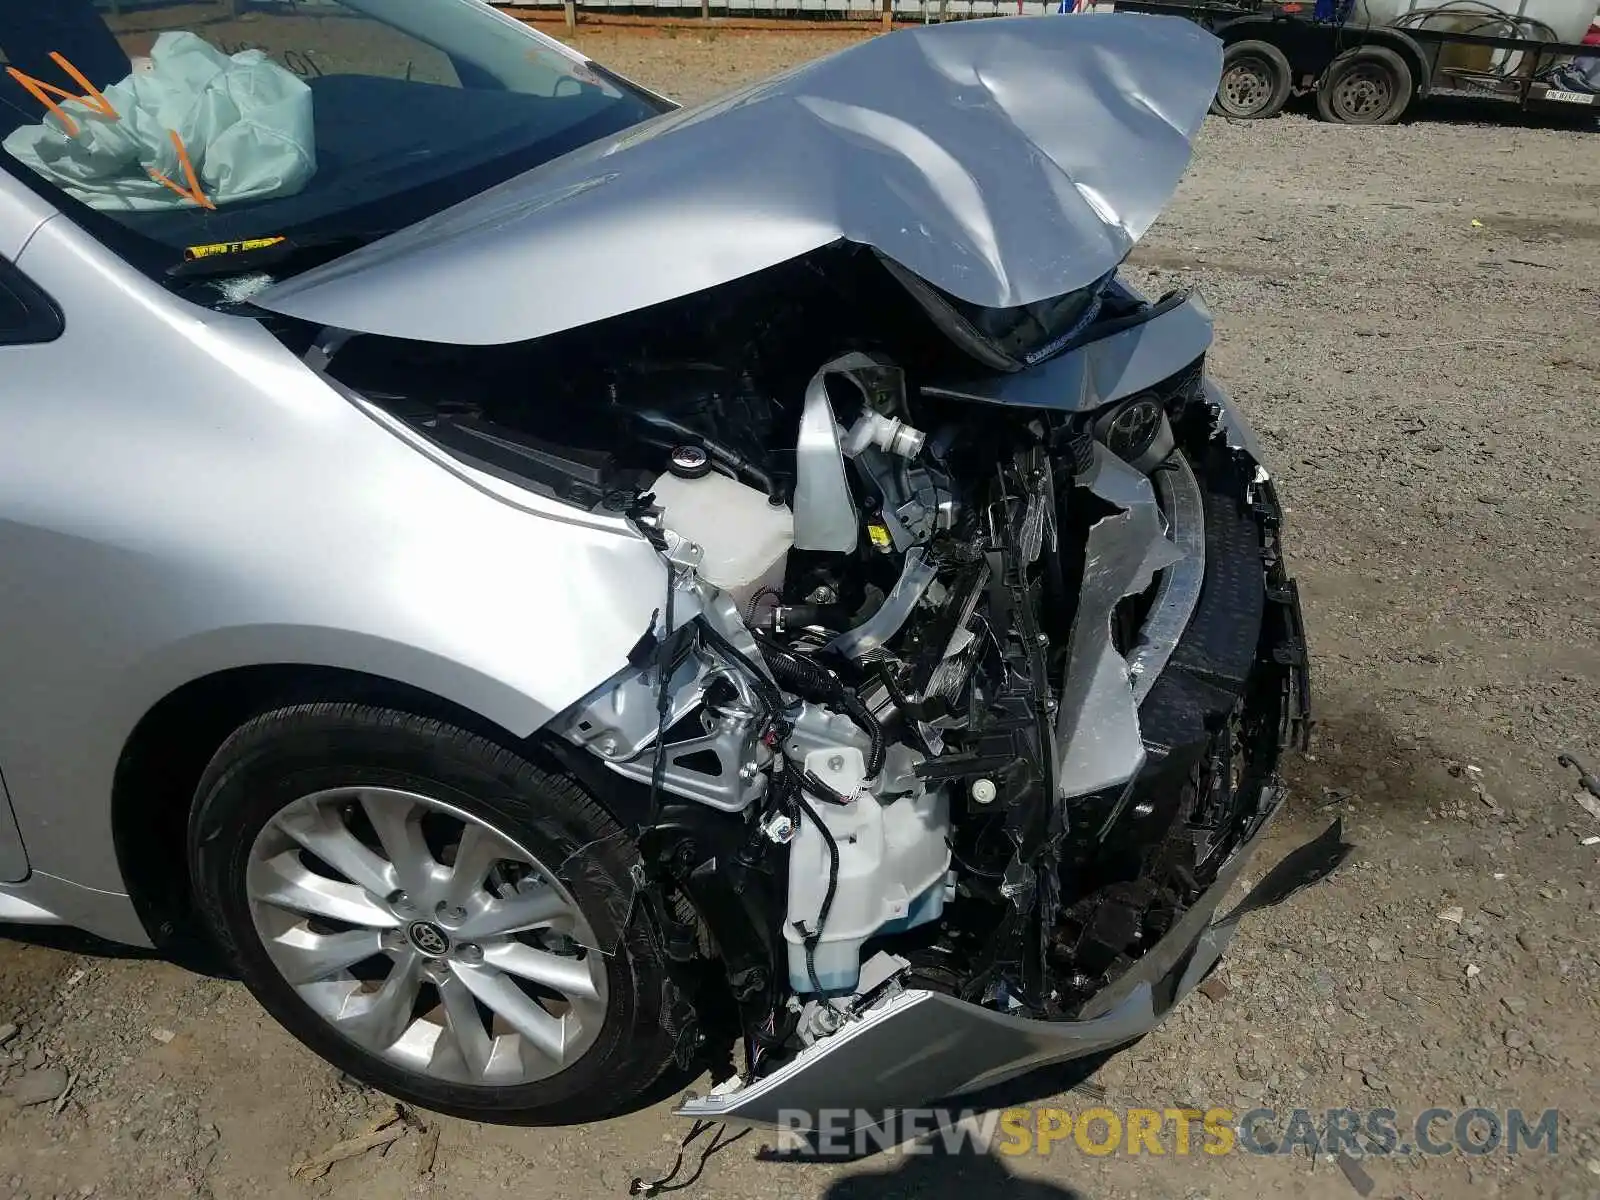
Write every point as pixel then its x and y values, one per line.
pixel 858 712
pixel 815 936
pixel 811 679
pixel 725 455
pixel 908 711
pixel 765 689
pixel 826 791
pixel 768 692
pixel 1471 8
pixel 658 766
pixel 750 608
pixel 639 1187
pixel 1497 22
pixel 968 867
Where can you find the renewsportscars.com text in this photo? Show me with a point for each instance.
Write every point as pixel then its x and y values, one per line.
pixel 1171 1131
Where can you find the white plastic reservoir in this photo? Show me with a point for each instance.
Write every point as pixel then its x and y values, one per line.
pixel 746 540
pixel 893 860
pixel 1568 20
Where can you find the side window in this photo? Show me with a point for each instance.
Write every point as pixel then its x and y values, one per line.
pixel 27 315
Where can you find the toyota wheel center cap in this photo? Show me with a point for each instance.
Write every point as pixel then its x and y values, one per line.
pixel 428 938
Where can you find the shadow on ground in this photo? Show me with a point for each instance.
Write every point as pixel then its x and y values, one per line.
pixel 940 1175
pixel 191 955
pixel 1053 1079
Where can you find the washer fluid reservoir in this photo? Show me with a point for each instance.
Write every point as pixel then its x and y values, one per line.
pixel 745 539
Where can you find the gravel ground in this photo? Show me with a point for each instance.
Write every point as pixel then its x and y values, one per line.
pixel 1409 316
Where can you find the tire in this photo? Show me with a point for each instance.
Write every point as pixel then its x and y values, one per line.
pixel 1256 81
pixel 587 1032
pixel 1370 85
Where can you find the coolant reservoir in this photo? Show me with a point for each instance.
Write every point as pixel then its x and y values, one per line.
pixel 745 538
pixel 893 859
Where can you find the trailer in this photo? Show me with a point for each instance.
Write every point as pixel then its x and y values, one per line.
pixel 1363 72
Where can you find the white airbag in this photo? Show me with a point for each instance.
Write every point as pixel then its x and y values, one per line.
pixel 245 123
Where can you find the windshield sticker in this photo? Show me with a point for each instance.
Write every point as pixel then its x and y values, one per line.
pixel 43 92
pixel 212 249
pixel 298 61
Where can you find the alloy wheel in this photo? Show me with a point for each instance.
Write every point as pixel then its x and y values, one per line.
pixel 426 936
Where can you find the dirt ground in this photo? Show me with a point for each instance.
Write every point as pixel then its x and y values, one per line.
pixel 1411 317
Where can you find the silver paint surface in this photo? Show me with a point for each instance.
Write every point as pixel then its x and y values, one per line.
pixel 1006 160
pixel 825 516
pixel 1178 591
pixel 233 509
pixel 1098 729
pixel 1098 372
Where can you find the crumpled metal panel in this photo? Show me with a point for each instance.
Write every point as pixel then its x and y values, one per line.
pixel 825 516
pixel 1098 729
pixel 1179 590
pixel 1098 372
pixel 1240 434
pixel 1005 160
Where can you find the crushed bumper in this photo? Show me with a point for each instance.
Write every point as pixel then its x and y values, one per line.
pixel 915 1047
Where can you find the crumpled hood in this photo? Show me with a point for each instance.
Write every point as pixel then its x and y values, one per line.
pixel 1005 161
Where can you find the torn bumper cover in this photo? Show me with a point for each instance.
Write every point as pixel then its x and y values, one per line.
pixel 909 1047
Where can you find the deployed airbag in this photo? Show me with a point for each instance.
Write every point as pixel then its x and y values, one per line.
pixel 243 123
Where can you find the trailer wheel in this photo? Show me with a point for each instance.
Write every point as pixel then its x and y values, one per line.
pixel 1370 85
pixel 1255 81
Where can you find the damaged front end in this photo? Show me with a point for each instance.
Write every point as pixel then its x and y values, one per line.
pixel 966 692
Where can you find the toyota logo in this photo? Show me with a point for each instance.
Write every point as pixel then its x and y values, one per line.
pixel 429 939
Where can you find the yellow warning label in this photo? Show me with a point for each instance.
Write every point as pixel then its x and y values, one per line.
pixel 215 248
pixel 879 533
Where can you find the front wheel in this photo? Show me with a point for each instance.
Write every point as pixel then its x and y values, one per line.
pixel 432 913
pixel 1256 81
pixel 1369 85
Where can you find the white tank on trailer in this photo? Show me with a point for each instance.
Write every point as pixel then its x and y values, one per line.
pixel 1566 20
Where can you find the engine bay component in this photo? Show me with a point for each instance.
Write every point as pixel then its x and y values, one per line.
pixel 888 434
pixel 916 575
pixel 743 536
pixel 859 869
pixel 689 462
pixel 825 514
pixel 987 689
pixel 1178 590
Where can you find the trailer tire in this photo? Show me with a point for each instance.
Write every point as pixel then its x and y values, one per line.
pixel 1256 81
pixel 1369 85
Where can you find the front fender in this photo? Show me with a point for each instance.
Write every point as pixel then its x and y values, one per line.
pixel 232 509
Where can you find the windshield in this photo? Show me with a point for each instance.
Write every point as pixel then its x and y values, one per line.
pixel 189 130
